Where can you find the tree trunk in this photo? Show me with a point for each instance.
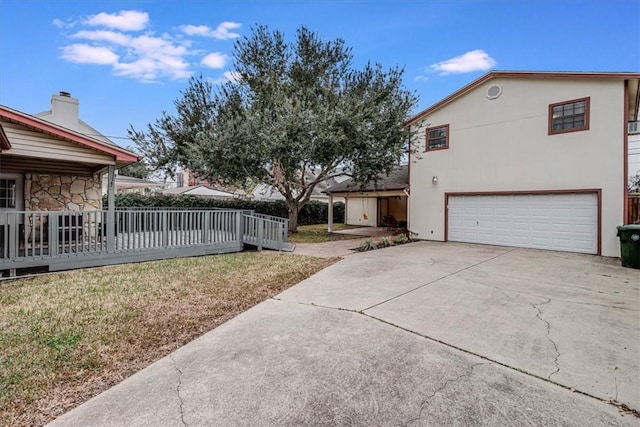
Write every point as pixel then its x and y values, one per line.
pixel 293 216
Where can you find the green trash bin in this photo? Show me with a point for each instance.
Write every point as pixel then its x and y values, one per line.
pixel 629 245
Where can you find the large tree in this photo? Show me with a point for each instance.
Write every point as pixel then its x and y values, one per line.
pixel 135 170
pixel 295 114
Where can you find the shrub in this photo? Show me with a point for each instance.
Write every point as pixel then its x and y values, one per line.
pixel 401 239
pixel 368 245
pixel 314 212
pixel 385 242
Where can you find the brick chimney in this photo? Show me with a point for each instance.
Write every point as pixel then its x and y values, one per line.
pixel 64 111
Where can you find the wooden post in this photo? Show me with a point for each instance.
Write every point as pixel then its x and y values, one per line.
pixel 111 209
pixel 260 232
pixel 330 219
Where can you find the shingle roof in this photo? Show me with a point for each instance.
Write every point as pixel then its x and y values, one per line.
pixel 396 180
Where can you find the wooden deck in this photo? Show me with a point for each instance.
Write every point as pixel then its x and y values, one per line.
pixel 66 240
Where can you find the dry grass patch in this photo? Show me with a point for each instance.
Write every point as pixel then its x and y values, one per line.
pixel 318 233
pixel 66 337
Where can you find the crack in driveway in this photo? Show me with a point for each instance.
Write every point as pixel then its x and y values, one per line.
pixel 438 279
pixel 424 403
pixel 548 379
pixel 548 325
pixel 175 365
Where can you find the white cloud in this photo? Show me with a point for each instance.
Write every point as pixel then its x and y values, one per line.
pixel 125 20
pixel 148 70
pixel 196 30
pixel 61 24
pixel 474 60
pixel 421 78
pixel 227 76
pixel 103 36
pixel 222 32
pixel 143 56
pixel 215 60
pixel 85 54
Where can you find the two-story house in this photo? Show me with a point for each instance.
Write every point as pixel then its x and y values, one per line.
pixel 526 159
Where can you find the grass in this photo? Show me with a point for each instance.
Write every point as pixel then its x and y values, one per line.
pixel 318 233
pixel 66 337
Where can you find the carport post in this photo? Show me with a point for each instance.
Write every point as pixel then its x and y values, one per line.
pixel 330 211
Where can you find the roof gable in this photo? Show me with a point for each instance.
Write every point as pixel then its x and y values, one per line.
pixel 520 74
pixel 44 126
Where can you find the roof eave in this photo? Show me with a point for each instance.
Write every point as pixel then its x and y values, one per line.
pixel 4 140
pixel 120 154
pixel 519 74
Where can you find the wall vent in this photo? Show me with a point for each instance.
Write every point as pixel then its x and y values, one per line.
pixel 494 91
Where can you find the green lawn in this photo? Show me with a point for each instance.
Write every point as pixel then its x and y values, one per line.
pixel 317 233
pixel 65 337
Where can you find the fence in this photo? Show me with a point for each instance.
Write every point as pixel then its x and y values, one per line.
pixel 633 208
pixel 64 239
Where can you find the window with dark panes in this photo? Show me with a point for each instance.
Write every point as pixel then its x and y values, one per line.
pixel 7 193
pixel 437 138
pixel 569 116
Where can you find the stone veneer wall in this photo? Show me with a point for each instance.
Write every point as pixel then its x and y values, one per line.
pixel 62 192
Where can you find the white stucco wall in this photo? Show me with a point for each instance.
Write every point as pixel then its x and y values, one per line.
pixel 503 145
pixel 362 211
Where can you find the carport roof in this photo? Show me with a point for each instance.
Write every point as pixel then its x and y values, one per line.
pixel 396 180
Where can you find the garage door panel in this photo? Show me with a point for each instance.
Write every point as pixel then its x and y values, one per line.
pixel 561 212
pixel 561 227
pixel 540 226
pixel 565 222
pixel 541 212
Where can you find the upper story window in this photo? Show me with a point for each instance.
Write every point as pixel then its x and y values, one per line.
pixel 7 193
pixel 437 138
pixel 569 116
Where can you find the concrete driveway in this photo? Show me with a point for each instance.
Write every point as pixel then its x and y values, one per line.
pixel 421 334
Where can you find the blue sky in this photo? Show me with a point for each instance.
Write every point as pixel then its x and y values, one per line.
pixel 126 61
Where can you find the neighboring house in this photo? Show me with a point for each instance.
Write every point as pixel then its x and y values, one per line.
pixel 198 190
pixel 377 204
pixel 268 192
pixel 129 184
pixel 526 159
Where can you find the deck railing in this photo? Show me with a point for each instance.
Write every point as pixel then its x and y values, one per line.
pixel 264 231
pixel 69 239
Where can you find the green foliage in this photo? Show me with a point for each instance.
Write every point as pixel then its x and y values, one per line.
pixel 385 242
pixel 298 114
pixel 401 239
pixel 135 170
pixel 368 245
pixel 314 212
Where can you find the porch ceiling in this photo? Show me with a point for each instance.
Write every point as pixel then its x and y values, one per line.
pixel 19 164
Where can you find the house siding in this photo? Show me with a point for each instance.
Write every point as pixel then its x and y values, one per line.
pixel 30 143
pixel 503 145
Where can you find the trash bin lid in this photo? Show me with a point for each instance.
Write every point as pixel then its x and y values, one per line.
pixel 629 227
